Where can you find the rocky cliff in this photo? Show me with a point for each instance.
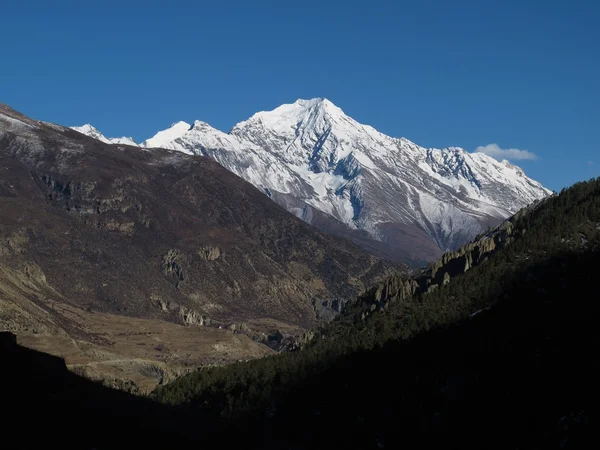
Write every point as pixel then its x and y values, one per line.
pixel 451 264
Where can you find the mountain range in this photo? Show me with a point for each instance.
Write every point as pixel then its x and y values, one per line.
pixel 157 271
pixel 110 250
pixel 134 263
pixel 395 198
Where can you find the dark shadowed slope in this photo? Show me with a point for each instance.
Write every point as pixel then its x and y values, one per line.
pixel 44 405
pixel 504 355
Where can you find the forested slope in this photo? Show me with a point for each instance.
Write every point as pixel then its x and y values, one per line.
pixel 502 356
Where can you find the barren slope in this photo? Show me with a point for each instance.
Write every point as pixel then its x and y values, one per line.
pixel 162 236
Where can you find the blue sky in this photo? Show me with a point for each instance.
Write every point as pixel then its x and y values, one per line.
pixel 523 75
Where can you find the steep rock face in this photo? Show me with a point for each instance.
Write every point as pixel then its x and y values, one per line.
pixel 113 227
pixel 390 195
pixel 450 265
pixel 476 252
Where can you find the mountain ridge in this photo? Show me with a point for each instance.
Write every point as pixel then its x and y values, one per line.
pixel 91 131
pixel 109 251
pixel 309 156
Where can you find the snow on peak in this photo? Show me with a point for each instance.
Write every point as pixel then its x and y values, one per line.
pixel 309 102
pixel 310 154
pixel 200 125
pixel 507 163
pixel 291 114
pixel 162 139
pixel 93 132
pixel 124 141
pixel 314 131
pixel 318 102
pixel 87 128
pixel 90 131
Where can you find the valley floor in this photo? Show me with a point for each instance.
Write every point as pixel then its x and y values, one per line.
pixel 128 352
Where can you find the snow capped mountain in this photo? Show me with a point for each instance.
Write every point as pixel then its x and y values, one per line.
pixel 124 141
pixel 162 138
pixel 90 131
pixel 391 195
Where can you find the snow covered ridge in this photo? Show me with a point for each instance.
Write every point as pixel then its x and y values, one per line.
pixel 309 156
pixel 90 131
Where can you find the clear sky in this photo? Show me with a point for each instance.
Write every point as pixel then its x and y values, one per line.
pixel 520 74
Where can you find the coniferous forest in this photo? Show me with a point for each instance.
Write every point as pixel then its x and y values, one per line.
pixel 503 356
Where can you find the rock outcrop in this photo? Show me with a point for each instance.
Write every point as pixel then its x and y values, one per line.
pixel 472 254
pixel 209 252
pixel 450 265
pixel 172 264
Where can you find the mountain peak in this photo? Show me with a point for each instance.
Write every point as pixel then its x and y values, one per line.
pixel 92 132
pixel 124 140
pixel 285 120
pixel 85 128
pixel 180 124
pixel 310 156
pixel 300 107
pixel 320 103
pixel 310 103
pixel 164 137
pixel 200 124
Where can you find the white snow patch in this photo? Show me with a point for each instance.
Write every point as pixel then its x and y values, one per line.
pixel 163 138
pixel 15 122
